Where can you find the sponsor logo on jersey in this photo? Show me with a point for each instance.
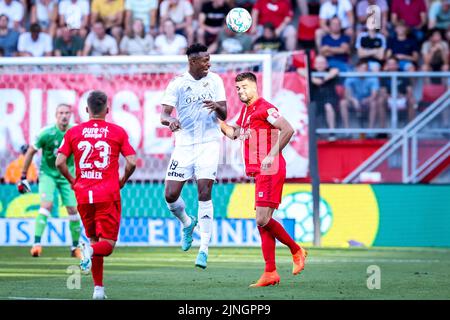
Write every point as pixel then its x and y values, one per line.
pixel 261 194
pixel 95 133
pixel 204 96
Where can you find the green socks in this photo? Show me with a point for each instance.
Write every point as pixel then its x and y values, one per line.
pixel 75 230
pixel 39 227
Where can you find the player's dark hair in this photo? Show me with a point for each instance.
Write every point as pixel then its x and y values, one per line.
pixel 97 102
pixel 196 48
pixel 246 76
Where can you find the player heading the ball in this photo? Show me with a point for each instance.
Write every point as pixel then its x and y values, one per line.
pixel 265 133
pixel 198 96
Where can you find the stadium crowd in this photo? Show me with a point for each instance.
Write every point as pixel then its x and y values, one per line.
pixel 413 35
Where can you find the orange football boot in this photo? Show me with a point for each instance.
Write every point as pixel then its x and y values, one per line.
pixel 267 279
pixel 76 253
pixel 36 250
pixel 299 259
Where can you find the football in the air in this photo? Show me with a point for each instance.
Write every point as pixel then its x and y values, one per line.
pixel 239 20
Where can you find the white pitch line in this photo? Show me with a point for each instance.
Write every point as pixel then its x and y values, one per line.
pixel 28 298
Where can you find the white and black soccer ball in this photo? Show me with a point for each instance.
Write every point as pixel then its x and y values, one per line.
pixel 239 20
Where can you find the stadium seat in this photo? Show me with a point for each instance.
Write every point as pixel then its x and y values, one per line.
pixel 431 92
pixel 307 26
pixel 299 59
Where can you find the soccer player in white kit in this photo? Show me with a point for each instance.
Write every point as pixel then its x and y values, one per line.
pixel 198 96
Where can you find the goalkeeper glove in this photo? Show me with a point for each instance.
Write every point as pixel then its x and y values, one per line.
pixel 23 186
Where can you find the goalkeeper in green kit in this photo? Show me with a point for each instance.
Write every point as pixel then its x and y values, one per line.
pixel 50 179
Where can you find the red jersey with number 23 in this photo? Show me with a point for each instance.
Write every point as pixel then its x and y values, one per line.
pixel 96 146
pixel 256 122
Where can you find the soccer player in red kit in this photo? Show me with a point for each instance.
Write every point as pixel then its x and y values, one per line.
pixel 96 146
pixel 266 133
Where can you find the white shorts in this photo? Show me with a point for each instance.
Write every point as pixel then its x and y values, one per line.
pixel 201 160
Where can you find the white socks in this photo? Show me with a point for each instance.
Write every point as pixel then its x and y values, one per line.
pixel 205 220
pixel 177 209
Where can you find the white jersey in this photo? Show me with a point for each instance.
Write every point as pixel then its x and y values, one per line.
pixel 187 94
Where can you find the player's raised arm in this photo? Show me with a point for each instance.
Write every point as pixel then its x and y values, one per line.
pixel 231 132
pixel 219 107
pixel 168 120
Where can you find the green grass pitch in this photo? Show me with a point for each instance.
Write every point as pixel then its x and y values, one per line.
pixel 169 274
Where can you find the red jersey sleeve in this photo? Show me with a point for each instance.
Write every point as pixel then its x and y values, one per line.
pixel 66 146
pixel 269 114
pixel 126 149
pixel 241 115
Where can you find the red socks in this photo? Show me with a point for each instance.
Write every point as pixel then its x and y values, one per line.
pixel 277 231
pixel 97 270
pixel 102 248
pixel 268 249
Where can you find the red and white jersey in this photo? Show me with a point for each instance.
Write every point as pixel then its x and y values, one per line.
pixel 96 145
pixel 259 135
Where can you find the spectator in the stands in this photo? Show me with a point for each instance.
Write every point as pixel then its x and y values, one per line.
pixel 439 15
pixel 335 46
pixel 15 11
pixel 2 52
pixel 181 13
pixel 361 93
pixel 324 92
pixel 45 12
pixel 405 97
pixel 111 13
pixel 170 42
pixel 341 9
pixel 211 20
pixel 362 14
pixel 413 13
pixel 269 42
pixel 230 42
pixel 35 43
pixel 99 43
pixel 75 14
pixel 371 46
pixel 280 14
pixel 145 10
pixel 404 48
pixel 68 44
pixel 435 53
pixel 136 41
pixel 8 37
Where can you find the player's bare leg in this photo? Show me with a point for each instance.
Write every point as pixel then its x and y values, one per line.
pixel 75 230
pixel 39 227
pixel 177 206
pixel 92 260
pixel 205 219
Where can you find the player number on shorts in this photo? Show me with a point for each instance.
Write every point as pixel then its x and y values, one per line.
pixel 86 147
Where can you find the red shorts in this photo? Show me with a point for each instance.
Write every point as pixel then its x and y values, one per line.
pixel 101 219
pixel 269 189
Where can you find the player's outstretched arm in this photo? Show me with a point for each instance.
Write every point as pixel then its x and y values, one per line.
pixel 231 132
pixel 61 165
pixel 129 169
